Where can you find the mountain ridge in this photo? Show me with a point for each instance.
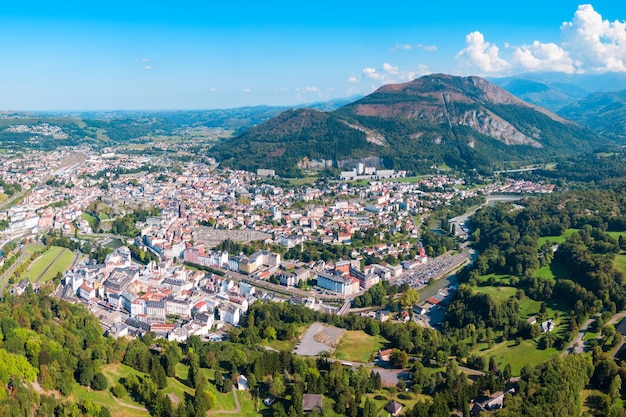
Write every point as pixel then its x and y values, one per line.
pixel 465 122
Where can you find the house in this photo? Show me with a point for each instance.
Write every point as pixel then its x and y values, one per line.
pixel 384 355
pixel 621 328
pixel 394 408
pixel 547 326
pixel 311 402
pixel 242 383
pixel 382 315
pixel 495 402
pixel 269 400
pixel 20 288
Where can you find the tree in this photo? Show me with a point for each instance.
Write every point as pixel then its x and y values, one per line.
pixel 409 298
pixel 157 373
pixel 219 380
pixel 85 372
pixel 615 387
pixel 277 386
pixel 119 390
pixel 99 382
pixel 194 369
pixel 399 358
pixel 203 402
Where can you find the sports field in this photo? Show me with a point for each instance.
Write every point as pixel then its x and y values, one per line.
pixel 54 260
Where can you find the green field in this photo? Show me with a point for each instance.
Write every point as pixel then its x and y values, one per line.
pixel 526 352
pixel 49 259
pixel 498 294
pixel 123 406
pixel 556 239
pixel 358 346
pixel 552 272
pixel 32 248
pixel 616 235
pixel 91 220
pixel 502 279
pixel 302 181
pixel 407 399
pixel 620 262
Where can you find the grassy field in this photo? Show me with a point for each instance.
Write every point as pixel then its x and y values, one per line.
pixel 499 294
pixel 407 399
pixel 302 181
pixel 501 279
pixel 90 219
pixel 358 346
pixel 120 408
pixel 556 239
pixel 32 248
pixel 49 259
pixel 286 345
pixel 620 262
pixel 177 387
pixel 526 352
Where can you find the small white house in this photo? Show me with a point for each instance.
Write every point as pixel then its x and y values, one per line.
pixel 242 383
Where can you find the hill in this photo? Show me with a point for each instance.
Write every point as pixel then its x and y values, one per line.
pixel 605 113
pixel 466 122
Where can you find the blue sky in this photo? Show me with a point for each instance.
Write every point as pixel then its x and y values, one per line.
pixel 71 55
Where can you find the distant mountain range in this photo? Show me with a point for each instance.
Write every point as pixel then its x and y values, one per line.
pixel 605 113
pixel 554 90
pixel 468 123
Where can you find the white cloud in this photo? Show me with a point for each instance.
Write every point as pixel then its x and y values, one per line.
pixel 212 89
pixel 353 80
pixel 311 89
pixel 390 69
pixel 481 55
pixel 373 74
pixel 147 67
pixel 543 57
pixel 596 45
pixel 404 47
pixel 389 74
pixel 588 43
pixel 427 48
pixel 247 90
pixel 408 47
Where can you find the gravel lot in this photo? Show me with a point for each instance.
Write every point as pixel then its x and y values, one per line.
pixel 319 338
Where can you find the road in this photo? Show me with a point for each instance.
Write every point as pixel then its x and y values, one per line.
pixel 4 278
pixel 578 345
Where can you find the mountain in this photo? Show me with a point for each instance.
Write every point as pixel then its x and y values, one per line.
pixel 605 113
pixel 555 90
pixel 465 122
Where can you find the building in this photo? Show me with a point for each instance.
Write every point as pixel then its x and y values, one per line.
pixel 394 408
pixel 291 279
pixel 338 283
pixel 242 383
pixel 312 402
pixel 120 279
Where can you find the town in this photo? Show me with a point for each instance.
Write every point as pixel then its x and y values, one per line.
pixel 177 283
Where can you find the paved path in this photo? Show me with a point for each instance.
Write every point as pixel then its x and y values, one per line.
pixel 576 346
pixel 237 409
